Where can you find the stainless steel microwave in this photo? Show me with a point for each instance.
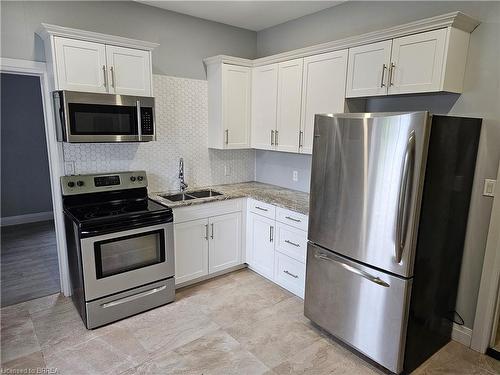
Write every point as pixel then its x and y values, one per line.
pixel 90 117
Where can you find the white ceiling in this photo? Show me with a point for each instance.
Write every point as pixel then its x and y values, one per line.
pixel 251 15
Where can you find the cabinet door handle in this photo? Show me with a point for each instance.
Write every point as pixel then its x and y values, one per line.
pixel 212 236
pixel 271 234
pixel 382 81
pixel 227 136
pixel 260 208
pixel 112 77
pixel 292 243
pixel 206 232
pixel 105 83
pixel 391 72
pixel 272 137
pixel 301 136
pixel 290 274
pixel 293 219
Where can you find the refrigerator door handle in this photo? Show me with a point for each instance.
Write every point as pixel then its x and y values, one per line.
pixel 366 275
pixel 404 200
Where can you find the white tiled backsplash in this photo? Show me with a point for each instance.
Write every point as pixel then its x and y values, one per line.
pixel 181 131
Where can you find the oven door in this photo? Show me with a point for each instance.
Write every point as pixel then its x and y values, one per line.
pixel 119 261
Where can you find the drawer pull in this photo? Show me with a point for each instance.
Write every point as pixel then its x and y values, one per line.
pixel 290 274
pixel 132 297
pixel 292 243
pixel 293 219
pixel 262 209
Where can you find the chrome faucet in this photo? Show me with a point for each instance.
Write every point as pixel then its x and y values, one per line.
pixel 183 185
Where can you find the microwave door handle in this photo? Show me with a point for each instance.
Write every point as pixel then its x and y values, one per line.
pixel 139 125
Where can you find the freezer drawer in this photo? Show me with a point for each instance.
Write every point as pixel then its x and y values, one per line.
pixel 366 308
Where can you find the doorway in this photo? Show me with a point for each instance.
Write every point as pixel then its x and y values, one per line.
pixel 29 259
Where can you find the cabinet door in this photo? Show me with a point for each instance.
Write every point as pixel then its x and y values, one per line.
pixel 261 245
pixel 129 71
pixel 236 101
pixel 367 71
pixel 264 102
pixel 323 91
pixel 289 105
pixel 225 242
pixel 191 250
pixel 418 62
pixel 80 65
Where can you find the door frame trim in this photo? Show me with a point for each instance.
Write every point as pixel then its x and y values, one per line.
pixel 487 311
pixel 55 155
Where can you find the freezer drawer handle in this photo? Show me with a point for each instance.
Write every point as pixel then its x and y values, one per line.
pixel 292 243
pixel 290 274
pixel 132 297
pixel 352 269
pixel 404 200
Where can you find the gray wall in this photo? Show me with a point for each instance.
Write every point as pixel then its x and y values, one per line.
pixel 25 167
pixel 481 97
pixel 277 168
pixel 184 40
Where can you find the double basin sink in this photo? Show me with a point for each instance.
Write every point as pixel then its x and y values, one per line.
pixel 190 195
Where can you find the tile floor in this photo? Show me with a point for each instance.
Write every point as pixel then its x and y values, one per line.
pixel 239 323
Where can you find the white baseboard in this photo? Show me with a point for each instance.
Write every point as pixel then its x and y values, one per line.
pixel 461 334
pixel 28 218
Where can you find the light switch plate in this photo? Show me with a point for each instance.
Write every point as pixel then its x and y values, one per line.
pixel 69 168
pixel 489 187
pixel 295 176
pixel 227 170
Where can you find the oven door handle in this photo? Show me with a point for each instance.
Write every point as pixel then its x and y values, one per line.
pixel 132 297
pixel 139 123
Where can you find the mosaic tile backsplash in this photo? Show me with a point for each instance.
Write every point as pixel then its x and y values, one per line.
pixel 182 131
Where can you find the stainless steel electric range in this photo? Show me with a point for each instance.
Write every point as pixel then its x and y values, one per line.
pixel 120 246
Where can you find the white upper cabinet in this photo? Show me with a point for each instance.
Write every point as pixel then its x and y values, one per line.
pixel 289 105
pixel 79 60
pixel 368 69
pixel 417 62
pixel 129 71
pixel 431 61
pixel 81 65
pixel 229 106
pixel 322 91
pixel 264 106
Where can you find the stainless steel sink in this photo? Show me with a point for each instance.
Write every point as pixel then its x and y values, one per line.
pixel 204 193
pixel 177 197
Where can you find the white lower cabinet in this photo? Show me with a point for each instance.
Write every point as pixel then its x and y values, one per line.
pixel 224 247
pixel 275 249
pixel 206 245
pixel 261 244
pixel 191 250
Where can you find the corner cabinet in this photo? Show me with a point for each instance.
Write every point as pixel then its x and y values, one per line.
pixel 91 62
pixel 229 106
pixel 431 61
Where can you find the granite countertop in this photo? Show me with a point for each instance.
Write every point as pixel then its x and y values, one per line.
pixel 294 200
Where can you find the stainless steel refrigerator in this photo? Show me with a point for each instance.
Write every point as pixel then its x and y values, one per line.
pixel 389 202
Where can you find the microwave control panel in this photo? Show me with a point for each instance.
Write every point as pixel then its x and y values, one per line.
pixel 147 123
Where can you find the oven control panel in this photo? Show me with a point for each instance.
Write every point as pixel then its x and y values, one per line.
pixel 93 183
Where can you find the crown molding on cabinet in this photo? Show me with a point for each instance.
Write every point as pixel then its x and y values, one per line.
pixel 47 30
pixel 457 20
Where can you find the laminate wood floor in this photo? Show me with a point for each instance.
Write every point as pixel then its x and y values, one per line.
pixel 28 262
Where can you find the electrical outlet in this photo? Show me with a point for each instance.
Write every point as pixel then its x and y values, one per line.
pixel 69 168
pixel 489 187
pixel 227 170
pixel 295 176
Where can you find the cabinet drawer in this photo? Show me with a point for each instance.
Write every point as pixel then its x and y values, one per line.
pixel 291 241
pixel 205 210
pixel 261 208
pixel 290 274
pixel 292 218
